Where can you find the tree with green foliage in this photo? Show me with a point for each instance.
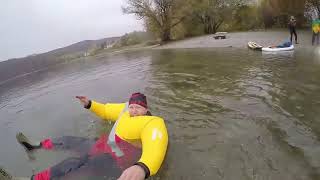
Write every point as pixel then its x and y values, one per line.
pixel 134 38
pixel 277 12
pixel 160 16
pixel 247 17
pixel 287 6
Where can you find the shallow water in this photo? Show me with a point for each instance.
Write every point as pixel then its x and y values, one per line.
pixel 231 113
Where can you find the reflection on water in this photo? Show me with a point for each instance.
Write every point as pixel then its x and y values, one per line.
pixel 231 113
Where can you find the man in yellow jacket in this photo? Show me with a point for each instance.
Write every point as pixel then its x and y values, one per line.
pixel 137 143
pixel 315 31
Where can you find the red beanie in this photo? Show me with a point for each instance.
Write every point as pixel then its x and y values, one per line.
pixel 138 98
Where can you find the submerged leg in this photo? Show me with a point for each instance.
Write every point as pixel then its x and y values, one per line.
pixel 4 175
pixel 101 166
pixel 26 143
pixel 62 169
pixel 78 144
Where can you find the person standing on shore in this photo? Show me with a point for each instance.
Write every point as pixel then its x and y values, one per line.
pixel 292 27
pixel 315 31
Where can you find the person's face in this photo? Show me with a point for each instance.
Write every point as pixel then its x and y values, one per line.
pixel 137 110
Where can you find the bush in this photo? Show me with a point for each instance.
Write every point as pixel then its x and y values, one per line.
pixel 151 43
pixel 136 37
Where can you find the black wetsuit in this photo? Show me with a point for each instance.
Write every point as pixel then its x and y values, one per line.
pixel 292 28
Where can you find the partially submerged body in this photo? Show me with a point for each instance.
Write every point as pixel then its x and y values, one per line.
pixel 134 149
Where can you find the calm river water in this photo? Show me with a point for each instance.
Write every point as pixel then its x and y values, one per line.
pixel 231 113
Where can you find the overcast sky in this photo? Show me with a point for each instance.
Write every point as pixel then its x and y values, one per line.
pixel 35 26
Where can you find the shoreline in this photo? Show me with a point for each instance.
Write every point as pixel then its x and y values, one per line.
pixel 240 40
pixel 234 39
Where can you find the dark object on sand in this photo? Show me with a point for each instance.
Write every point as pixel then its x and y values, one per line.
pixel 220 35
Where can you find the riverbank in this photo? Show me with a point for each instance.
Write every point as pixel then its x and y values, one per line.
pixel 240 40
pixel 234 39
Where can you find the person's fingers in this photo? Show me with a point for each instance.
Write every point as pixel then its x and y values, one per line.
pixel 81 98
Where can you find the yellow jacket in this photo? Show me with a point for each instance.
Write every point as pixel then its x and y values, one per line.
pixel 149 130
pixel 316 26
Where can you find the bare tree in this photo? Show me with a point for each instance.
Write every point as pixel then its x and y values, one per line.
pixel 162 14
pixel 212 13
pixel 313 6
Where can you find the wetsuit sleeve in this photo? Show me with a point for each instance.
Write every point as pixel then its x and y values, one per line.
pixel 154 139
pixel 108 111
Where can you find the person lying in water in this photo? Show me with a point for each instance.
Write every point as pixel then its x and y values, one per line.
pixel 113 155
pixel 283 45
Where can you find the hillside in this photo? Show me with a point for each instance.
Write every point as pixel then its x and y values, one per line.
pixel 19 66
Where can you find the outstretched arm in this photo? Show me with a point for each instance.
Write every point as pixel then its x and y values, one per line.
pixel 104 111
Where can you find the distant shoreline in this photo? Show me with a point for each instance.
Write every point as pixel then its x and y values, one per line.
pixel 240 39
pixel 234 39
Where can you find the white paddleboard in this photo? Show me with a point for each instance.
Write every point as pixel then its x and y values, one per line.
pixel 269 49
pixel 254 45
